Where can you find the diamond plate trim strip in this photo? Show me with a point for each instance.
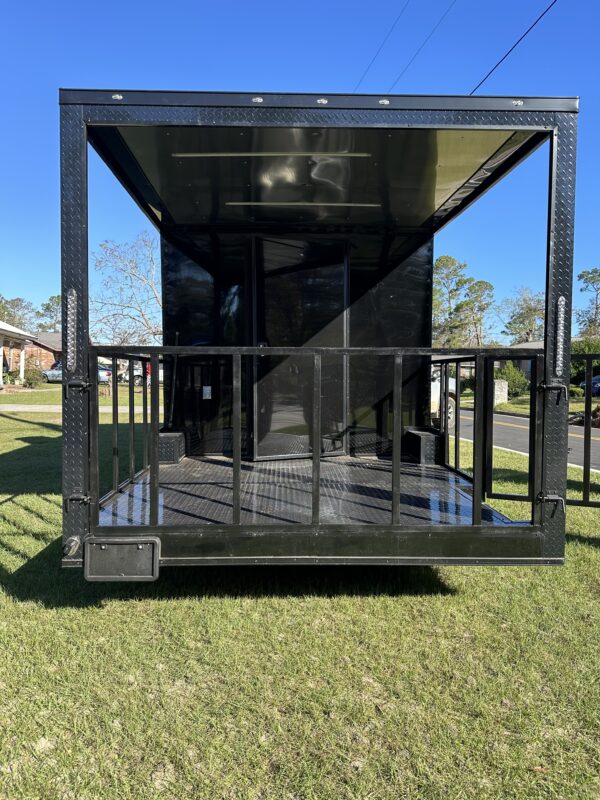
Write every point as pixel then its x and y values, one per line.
pixel 73 155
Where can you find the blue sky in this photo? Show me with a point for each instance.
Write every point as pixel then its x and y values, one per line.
pixel 274 46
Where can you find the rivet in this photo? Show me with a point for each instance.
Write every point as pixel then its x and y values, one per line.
pixel 322 101
pixel 257 99
pixel 117 97
pixel 102 547
pixel 140 546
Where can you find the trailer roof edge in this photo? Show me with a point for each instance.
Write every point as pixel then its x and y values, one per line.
pixel 114 97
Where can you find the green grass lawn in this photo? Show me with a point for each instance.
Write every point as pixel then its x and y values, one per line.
pixel 289 683
pixel 520 405
pixel 51 394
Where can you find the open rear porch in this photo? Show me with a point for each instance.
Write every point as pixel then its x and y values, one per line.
pixel 354 490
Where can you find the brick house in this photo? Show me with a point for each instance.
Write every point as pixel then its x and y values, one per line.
pixel 13 342
pixel 44 349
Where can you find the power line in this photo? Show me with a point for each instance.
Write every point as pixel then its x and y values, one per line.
pixel 380 48
pixel 424 42
pixel 516 44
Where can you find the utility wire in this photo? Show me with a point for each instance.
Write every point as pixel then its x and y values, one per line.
pixel 424 42
pixel 516 44
pixel 380 48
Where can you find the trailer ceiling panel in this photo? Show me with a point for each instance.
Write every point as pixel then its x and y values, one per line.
pixel 407 179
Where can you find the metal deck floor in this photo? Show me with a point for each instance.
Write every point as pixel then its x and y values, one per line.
pixel 354 490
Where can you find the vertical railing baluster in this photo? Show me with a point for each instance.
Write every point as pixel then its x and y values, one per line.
pixel 145 413
pixel 237 436
pixel 397 439
pixel 131 421
pixel 587 429
pixel 115 426
pixel 488 415
pixel 536 422
pixel 478 438
pixel 316 439
pixel 457 416
pixel 446 408
pixel 94 477
pixel 154 423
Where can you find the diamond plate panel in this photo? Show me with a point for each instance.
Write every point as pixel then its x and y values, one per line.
pixel 73 158
pixel 559 284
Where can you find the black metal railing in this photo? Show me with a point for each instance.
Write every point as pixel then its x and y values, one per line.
pixel 149 359
pixel 589 361
pixel 483 366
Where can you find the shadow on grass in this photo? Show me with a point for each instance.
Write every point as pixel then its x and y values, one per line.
pixel 587 540
pixel 42 580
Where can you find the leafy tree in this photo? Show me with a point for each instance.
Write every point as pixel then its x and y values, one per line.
pixel 587 344
pixel 128 307
pixel 49 314
pixel 460 305
pixel 589 318
pixel 18 312
pixel 478 300
pixel 525 316
pixel 516 379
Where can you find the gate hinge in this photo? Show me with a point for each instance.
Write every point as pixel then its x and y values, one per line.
pixel 77 385
pixel 552 498
pixel 556 387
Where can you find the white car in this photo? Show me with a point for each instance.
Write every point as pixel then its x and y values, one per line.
pixel 138 375
pixel 436 387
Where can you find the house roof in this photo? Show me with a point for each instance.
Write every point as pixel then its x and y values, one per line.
pixel 12 332
pixel 538 344
pixel 49 339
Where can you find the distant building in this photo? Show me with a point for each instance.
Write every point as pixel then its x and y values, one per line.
pixel 44 349
pixel 13 342
pixel 525 365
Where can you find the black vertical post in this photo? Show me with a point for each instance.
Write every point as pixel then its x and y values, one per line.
pixel 237 435
pixel 94 459
pixel 587 429
pixel 446 407
pixel 131 421
pixel 488 416
pixel 145 413
pixel 154 422
pixel 397 439
pixel 457 417
pixel 316 439
pixel 536 423
pixel 442 410
pixel 75 323
pixel 115 426
pixel 478 438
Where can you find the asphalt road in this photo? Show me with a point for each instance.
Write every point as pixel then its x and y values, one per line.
pixel 513 433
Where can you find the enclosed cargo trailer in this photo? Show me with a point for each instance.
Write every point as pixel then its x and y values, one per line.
pixel 294 421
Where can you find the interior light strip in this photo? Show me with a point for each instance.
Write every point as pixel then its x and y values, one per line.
pixel 300 203
pixel 270 155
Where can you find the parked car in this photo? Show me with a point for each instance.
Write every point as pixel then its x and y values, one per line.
pixel 595 386
pixel 436 387
pixel 138 375
pixel 54 374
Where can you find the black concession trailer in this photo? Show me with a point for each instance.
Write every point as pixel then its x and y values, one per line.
pixel 288 415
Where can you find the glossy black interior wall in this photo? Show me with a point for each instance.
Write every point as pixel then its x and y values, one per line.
pixel 239 289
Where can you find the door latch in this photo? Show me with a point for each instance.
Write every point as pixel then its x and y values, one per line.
pixel 556 387
pixel 77 385
pixel 552 498
pixel 77 497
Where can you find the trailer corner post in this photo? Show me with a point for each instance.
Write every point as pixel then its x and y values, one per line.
pixel 74 255
pixel 559 283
